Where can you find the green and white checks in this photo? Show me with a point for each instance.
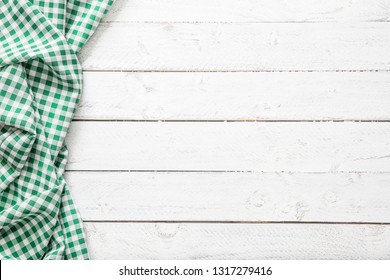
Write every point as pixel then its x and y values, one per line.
pixel 40 85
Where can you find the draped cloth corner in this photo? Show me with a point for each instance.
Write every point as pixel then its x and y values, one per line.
pixel 40 86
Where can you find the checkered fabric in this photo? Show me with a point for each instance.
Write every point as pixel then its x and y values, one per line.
pixel 40 86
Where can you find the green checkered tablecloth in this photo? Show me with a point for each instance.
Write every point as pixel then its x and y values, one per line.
pixel 40 86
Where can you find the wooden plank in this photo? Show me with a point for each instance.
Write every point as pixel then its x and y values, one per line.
pixel 237 241
pixel 178 196
pixel 248 11
pixel 235 96
pixel 238 47
pixel 237 146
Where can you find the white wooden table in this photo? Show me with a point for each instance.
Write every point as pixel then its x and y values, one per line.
pixel 236 129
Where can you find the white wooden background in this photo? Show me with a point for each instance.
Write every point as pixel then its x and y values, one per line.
pixel 236 129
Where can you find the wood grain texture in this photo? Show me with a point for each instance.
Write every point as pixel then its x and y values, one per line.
pixel 237 241
pixel 202 196
pixel 236 146
pixel 238 47
pixel 248 11
pixel 291 60
pixel 235 96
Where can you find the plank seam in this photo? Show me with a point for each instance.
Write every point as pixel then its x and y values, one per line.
pixel 233 222
pixel 227 171
pixel 234 71
pixel 224 121
pixel 385 20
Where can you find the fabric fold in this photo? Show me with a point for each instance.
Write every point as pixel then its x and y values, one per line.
pixel 40 87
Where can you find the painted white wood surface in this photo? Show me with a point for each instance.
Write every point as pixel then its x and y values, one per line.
pixel 237 241
pixel 287 63
pixel 248 10
pixel 235 146
pixel 235 96
pixel 205 196
pixel 238 47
